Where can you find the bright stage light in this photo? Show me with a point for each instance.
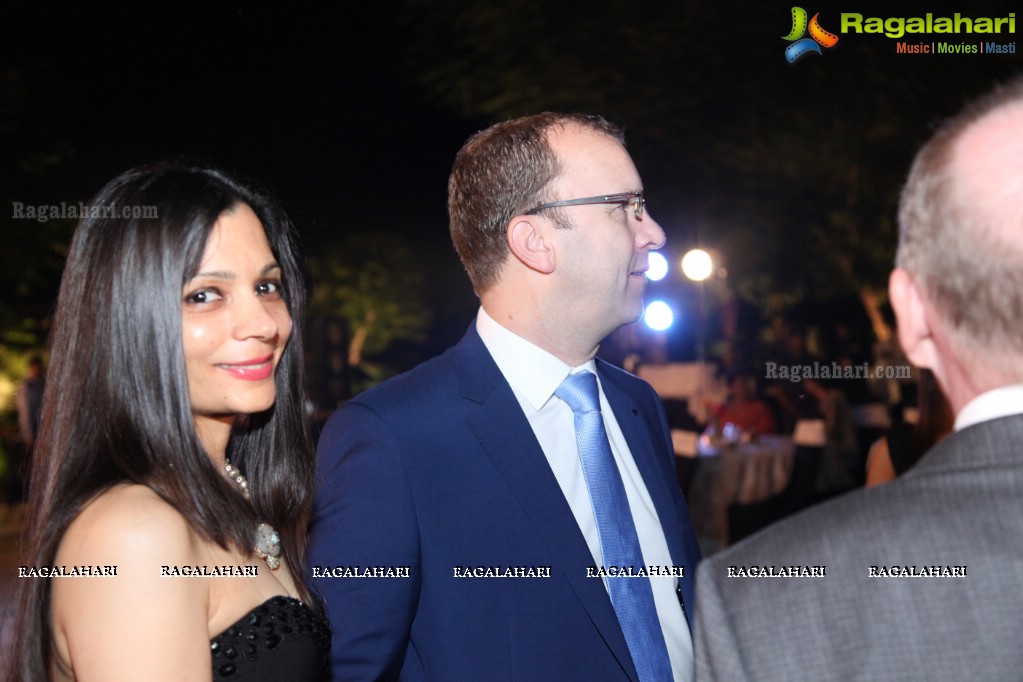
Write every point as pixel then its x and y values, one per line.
pixel 697 265
pixel 658 267
pixel 658 316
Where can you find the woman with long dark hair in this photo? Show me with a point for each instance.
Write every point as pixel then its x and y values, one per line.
pixel 173 472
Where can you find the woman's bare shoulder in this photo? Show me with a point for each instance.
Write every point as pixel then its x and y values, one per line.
pixel 130 613
pixel 130 523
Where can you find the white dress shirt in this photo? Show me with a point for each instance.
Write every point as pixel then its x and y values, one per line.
pixel 534 375
pixel 998 402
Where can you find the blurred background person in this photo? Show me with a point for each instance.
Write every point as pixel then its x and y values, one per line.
pixel 29 400
pixel 743 408
pixel 840 459
pixel 909 439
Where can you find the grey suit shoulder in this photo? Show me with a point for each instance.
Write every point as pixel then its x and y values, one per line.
pixel 959 511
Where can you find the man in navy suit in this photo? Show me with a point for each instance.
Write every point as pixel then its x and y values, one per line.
pixel 455 536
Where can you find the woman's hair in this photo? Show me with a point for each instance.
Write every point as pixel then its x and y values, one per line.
pixel 117 408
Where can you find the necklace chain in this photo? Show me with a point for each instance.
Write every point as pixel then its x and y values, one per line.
pixel 268 542
pixel 235 475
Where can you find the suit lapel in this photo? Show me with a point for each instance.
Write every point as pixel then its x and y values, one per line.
pixel 640 427
pixel 507 438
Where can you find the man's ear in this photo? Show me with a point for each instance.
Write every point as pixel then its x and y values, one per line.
pixel 529 245
pixel 915 326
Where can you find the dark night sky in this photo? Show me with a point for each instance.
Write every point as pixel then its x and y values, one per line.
pixel 328 108
pixel 320 106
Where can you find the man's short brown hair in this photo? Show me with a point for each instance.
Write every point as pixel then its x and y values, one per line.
pixel 955 248
pixel 499 173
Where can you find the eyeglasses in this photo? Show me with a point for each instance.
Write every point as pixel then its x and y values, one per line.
pixel 635 199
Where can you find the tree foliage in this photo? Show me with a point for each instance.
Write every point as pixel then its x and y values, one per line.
pixel 792 172
pixel 375 283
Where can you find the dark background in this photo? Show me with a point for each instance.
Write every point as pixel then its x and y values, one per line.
pixel 353 116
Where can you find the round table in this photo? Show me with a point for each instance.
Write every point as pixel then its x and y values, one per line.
pixel 735 473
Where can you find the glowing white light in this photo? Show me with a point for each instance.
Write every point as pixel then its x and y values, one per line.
pixel 697 265
pixel 658 316
pixel 658 267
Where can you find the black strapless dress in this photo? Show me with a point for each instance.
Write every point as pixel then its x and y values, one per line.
pixel 281 639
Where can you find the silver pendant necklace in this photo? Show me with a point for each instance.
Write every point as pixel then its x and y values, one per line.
pixel 268 542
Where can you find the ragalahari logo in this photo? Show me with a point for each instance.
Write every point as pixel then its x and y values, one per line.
pixel 801 46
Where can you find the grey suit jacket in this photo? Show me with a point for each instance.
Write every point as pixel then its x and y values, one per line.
pixel 961 506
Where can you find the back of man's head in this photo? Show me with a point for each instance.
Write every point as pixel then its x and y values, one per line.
pixel 961 229
pixel 499 173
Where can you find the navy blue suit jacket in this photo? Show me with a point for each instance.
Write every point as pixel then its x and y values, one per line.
pixel 439 468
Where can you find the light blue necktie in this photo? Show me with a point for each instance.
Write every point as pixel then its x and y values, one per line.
pixel 632 598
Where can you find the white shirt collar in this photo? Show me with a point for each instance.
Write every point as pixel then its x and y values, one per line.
pixel 998 402
pixel 531 371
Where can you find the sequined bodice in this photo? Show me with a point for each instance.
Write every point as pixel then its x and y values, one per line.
pixel 281 639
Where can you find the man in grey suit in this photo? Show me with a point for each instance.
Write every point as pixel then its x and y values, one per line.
pixel 919 579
